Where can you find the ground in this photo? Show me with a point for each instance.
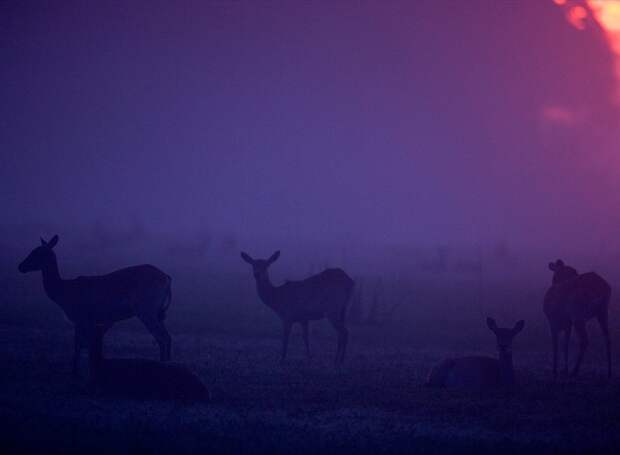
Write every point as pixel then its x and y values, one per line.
pixel 375 402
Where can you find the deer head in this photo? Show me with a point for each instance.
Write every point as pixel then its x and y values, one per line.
pixel 504 336
pixel 561 272
pixel 260 266
pixel 40 257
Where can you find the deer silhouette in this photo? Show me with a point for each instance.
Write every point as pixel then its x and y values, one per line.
pixel 94 303
pixel 571 301
pixel 324 295
pixel 149 379
pixel 479 371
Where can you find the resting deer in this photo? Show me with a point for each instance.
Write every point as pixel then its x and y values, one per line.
pixel 94 303
pixel 571 301
pixel 149 379
pixel 479 371
pixel 324 295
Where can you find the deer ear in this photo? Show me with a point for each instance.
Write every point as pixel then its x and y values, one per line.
pixel 43 242
pixel 559 263
pixel 246 257
pixel 274 257
pixel 552 266
pixel 491 324
pixel 52 243
pixel 518 327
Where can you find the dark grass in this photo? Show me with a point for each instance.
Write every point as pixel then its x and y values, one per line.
pixel 375 402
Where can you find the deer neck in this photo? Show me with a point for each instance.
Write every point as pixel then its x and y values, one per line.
pixel 506 371
pixel 265 290
pixel 52 283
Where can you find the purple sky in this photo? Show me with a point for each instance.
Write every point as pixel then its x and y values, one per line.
pixel 424 122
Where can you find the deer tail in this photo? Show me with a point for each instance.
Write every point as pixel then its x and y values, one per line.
pixel 167 301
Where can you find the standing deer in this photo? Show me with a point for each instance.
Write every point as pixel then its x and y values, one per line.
pixel 324 295
pixel 479 371
pixel 94 303
pixel 571 301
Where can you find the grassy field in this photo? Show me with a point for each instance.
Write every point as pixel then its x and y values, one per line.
pixel 375 402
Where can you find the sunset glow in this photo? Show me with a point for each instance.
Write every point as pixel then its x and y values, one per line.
pixel 577 15
pixel 561 116
pixel 606 13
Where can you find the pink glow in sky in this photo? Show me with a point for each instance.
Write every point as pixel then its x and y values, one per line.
pixel 403 121
pixel 606 15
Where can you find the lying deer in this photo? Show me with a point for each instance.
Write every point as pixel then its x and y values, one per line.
pixel 571 301
pixel 149 379
pixel 324 295
pixel 479 371
pixel 94 303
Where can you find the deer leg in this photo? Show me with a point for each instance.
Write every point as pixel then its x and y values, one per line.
pixel 343 336
pixel 285 335
pixel 567 335
pixel 77 345
pixel 94 357
pixel 167 340
pixel 580 328
pixel 100 333
pixel 97 341
pixel 344 332
pixel 161 335
pixel 554 347
pixel 304 327
pixel 94 336
pixel 603 321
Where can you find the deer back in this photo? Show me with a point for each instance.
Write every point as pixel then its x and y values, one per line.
pixel 580 298
pixel 314 297
pixel 114 296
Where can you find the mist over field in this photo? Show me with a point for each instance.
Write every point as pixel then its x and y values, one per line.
pixel 423 123
pixel 442 153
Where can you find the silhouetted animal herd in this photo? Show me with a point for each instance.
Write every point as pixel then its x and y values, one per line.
pixel 94 303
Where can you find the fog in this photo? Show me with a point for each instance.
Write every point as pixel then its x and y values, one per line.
pixel 328 131
pixel 440 152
